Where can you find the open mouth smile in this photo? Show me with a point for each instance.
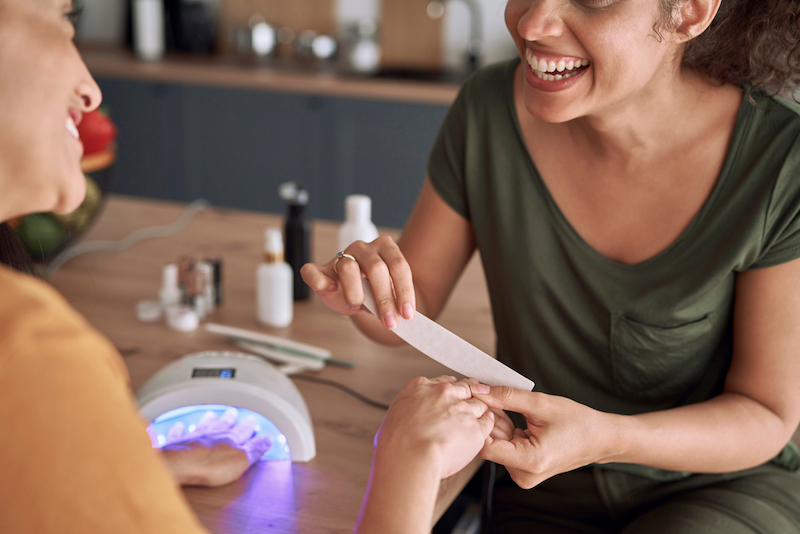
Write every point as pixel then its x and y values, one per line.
pixel 72 129
pixel 550 70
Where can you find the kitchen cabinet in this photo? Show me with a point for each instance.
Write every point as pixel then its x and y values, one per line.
pixel 234 146
pixel 148 117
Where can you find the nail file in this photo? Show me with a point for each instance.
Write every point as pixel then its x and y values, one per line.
pixel 445 347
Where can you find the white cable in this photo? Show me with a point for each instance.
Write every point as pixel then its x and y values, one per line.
pixel 131 239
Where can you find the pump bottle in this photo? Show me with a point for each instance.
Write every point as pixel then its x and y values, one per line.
pixel 358 224
pixel 274 283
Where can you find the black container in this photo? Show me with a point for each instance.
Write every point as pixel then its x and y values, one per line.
pixel 298 242
pixel 190 26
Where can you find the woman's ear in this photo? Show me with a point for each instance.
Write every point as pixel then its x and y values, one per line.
pixel 694 17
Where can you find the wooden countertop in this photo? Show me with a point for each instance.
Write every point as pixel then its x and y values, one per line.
pixel 237 73
pixel 320 496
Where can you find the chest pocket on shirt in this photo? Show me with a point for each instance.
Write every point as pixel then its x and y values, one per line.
pixel 658 363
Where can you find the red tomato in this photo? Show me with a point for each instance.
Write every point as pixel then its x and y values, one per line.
pixel 96 131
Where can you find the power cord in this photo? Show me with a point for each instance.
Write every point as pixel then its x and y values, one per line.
pixel 344 388
pixel 128 241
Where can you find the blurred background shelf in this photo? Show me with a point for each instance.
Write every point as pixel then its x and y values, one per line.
pixel 199 128
pixel 229 126
pixel 289 77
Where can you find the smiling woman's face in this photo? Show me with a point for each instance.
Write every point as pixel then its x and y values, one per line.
pixel 45 88
pixel 582 57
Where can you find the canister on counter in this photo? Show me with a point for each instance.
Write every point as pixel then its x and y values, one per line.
pixel 297 235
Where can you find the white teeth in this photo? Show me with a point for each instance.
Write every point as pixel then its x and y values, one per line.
pixel 72 129
pixel 551 78
pixel 543 66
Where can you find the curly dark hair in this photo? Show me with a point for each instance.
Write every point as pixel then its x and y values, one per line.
pixel 749 41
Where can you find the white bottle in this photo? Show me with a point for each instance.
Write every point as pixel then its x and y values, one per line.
pixel 148 29
pixel 274 290
pixel 358 224
pixel 170 294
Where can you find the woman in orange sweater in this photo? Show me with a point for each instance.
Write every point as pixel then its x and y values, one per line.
pixel 74 454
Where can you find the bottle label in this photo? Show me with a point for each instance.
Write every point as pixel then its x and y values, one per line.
pixel 273 257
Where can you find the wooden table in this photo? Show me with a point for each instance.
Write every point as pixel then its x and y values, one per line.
pixel 323 495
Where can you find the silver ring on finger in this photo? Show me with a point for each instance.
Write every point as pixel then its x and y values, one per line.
pixel 339 256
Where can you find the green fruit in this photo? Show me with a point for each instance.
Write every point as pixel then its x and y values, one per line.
pixel 93 195
pixel 40 234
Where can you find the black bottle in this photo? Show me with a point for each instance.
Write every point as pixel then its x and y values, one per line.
pixel 298 235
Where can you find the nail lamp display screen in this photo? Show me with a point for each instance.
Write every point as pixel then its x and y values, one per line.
pixel 214 373
pixel 190 415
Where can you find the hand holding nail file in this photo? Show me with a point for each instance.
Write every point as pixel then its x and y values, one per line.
pixel 445 347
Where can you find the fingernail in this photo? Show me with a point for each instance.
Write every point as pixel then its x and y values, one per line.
pixel 482 389
pixel 353 307
pixel 332 288
pixel 491 415
pixel 408 311
pixel 389 320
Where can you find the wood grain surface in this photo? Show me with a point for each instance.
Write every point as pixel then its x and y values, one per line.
pixel 409 38
pixel 323 495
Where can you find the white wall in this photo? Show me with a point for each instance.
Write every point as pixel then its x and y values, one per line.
pixel 102 20
pixel 455 27
pixel 356 10
pixel 499 44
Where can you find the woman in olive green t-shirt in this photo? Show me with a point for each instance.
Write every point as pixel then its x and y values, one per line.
pixel 634 193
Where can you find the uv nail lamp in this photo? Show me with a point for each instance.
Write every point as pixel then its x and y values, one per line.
pixel 187 388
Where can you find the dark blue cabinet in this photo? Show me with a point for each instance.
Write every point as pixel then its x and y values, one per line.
pixel 234 147
pixel 150 123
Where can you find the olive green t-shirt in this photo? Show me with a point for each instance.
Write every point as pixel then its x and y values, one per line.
pixel 620 338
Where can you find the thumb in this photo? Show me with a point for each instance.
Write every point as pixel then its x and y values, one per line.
pixel 486 422
pixel 511 399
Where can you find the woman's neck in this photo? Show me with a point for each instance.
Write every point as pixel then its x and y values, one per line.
pixel 15 198
pixel 657 122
